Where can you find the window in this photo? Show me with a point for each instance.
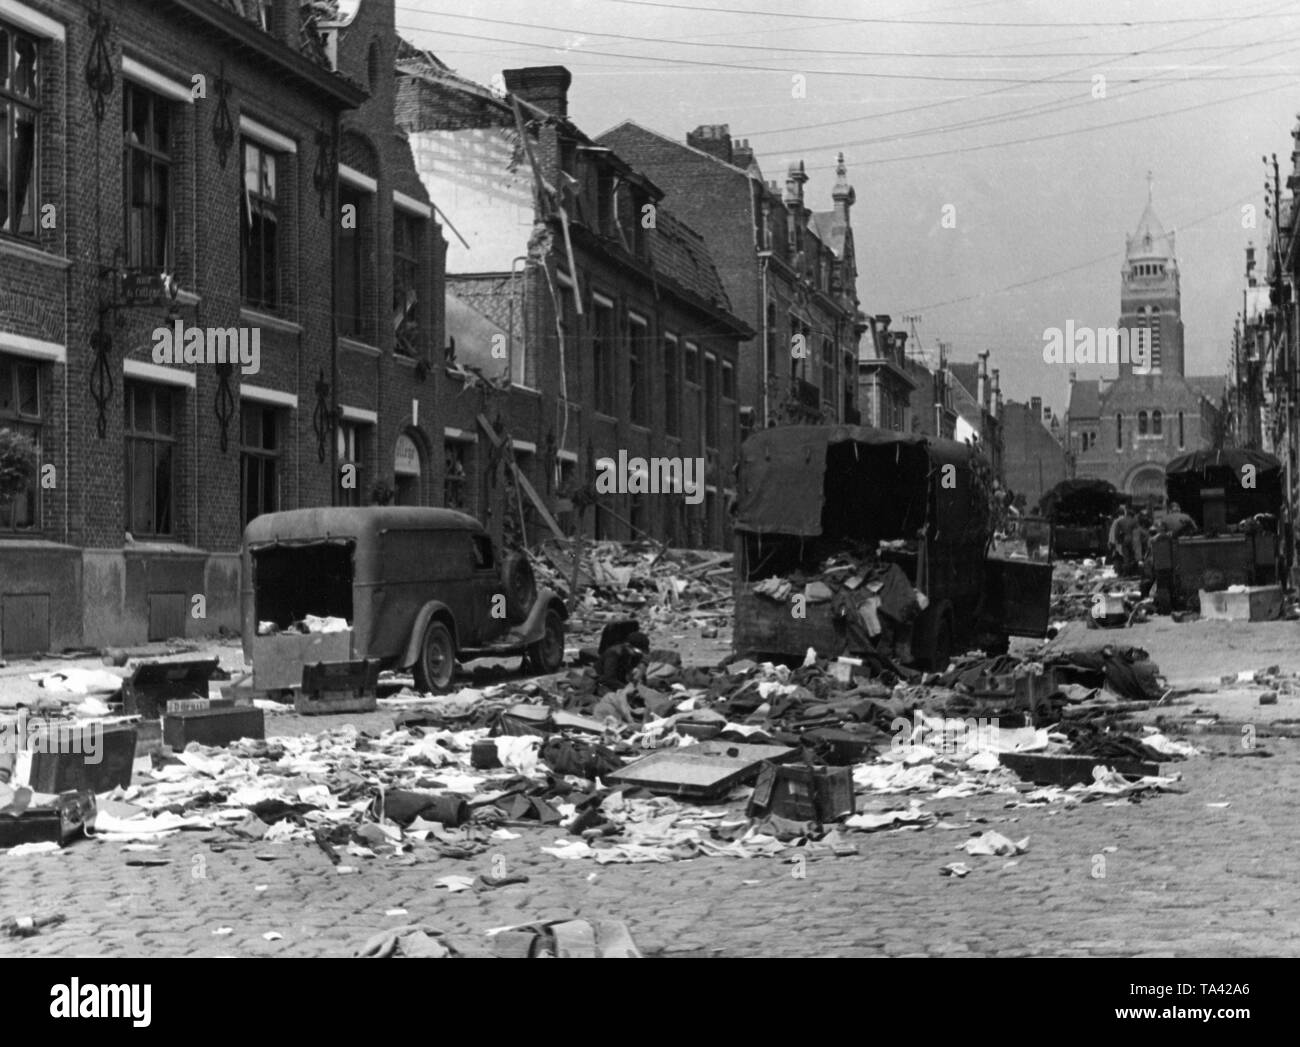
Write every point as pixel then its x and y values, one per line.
pixel 692 364
pixel 637 386
pixel 602 354
pixel 828 368
pixel 672 387
pixel 20 113
pixel 710 400
pixel 260 222
pixel 352 455
pixel 408 238
pixel 638 516
pixel 1119 432
pixel 1153 322
pixel 605 202
pixel 349 296
pixel 483 558
pixel 1142 423
pixel 259 460
pixel 150 429
pixel 146 172
pixel 1157 423
pixel 453 484
pixel 728 381
pixel 1181 442
pixel 798 346
pixel 20 412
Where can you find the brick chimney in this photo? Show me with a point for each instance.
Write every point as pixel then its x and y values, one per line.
pixel 741 154
pixel 982 382
pixel 795 178
pixel 1036 406
pixel 545 86
pixel 714 139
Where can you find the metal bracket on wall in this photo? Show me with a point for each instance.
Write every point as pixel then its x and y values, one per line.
pixel 101 376
pixel 324 417
pixel 99 64
pixel 223 128
pixel 223 404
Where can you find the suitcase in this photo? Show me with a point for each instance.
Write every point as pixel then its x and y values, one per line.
pixel 60 823
pixel 803 793
pixel 213 726
pixel 70 768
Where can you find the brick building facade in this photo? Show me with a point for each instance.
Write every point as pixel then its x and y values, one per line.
pixel 789 271
pixel 187 152
pixel 585 321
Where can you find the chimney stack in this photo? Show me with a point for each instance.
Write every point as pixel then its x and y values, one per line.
pixel 714 139
pixel 981 391
pixel 545 86
pixel 1036 405
pixel 995 405
pixel 741 153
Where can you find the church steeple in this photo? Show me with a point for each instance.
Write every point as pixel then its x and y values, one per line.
pixel 1150 296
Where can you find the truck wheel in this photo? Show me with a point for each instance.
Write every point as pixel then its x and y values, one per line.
pixel 547 654
pixel 436 664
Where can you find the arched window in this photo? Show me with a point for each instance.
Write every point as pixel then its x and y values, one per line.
pixel 1142 423
pixel 1157 423
pixel 1119 431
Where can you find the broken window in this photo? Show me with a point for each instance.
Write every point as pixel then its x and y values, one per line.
pixel 20 112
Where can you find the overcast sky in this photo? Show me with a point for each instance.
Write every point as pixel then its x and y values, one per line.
pixel 985 106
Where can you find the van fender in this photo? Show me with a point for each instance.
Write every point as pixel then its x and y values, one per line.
pixel 422 619
pixel 534 626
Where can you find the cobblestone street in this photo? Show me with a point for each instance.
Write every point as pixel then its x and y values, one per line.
pixel 1184 878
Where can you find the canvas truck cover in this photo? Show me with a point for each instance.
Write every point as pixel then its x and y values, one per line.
pixel 782 486
pixel 1228 468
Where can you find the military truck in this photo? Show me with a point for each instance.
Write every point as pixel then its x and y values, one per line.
pixel 809 495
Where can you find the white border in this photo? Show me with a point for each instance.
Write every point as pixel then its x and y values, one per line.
pixel 260 394
pixel 602 301
pixel 411 204
pixel 356 179
pixel 33 348
pixel 637 319
pixel 259 132
pixel 158 373
pixel 524 445
pixel 159 82
pixel 33 21
pixel 360 414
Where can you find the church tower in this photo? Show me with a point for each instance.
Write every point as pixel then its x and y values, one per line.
pixel 1150 300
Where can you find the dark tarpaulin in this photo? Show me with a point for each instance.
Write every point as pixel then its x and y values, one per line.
pixel 1188 474
pixel 782 480
pixel 1080 501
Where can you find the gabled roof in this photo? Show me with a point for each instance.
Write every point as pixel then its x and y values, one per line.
pixel 679 253
pixel 967 376
pixel 1085 399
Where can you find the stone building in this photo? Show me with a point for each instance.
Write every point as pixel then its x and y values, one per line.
pixel 1033 458
pixel 790 271
pixel 586 320
pixel 201 163
pixel 1126 429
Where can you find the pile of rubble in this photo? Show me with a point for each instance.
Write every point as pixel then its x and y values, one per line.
pixel 678 587
pixel 639 759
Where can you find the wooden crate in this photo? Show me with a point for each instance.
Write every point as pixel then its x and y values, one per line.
pixel 1258 603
